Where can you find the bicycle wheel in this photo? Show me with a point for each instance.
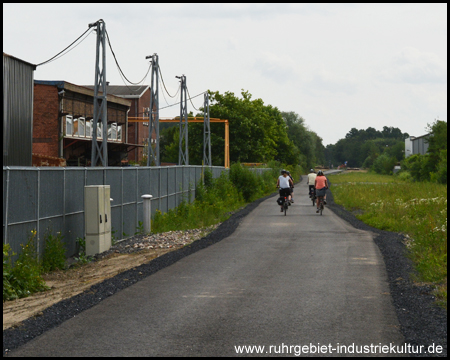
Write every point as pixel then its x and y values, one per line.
pixel 285 208
pixel 321 206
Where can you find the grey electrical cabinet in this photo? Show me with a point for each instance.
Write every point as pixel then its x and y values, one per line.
pixel 97 218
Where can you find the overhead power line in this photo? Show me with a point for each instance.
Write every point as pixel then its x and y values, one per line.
pixel 118 66
pixel 191 100
pixel 45 62
pixel 180 101
pixel 159 68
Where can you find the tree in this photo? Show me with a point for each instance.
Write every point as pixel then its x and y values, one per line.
pixel 362 147
pixel 258 132
pixel 437 151
pixel 312 151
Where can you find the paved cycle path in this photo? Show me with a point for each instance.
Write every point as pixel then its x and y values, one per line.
pixel 277 280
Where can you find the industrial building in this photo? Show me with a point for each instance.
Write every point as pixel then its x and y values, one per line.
pixel 140 102
pixel 416 145
pixel 63 114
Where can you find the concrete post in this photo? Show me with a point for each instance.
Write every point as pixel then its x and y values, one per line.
pixel 147 213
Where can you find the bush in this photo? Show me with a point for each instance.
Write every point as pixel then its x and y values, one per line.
pixel 54 252
pixel 23 278
pixel 208 178
pixel 440 176
pixel 404 176
pixel 245 181
pixel 384 164
pixel 419 166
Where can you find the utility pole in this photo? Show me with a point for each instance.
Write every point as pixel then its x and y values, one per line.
pixel 183 156
pixel 206 133
pixel 153 155
pixel 100 152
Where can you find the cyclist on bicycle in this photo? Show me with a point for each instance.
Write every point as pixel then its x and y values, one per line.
pixel 292 187
pixel 321 184
pixel 311 181
pixel 284 183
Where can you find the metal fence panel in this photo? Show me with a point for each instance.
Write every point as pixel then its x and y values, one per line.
pixel 51 193
pixel 73 228
pixel 129 221
pixel 22 190
pixel 178 185
pixel 129 185
pixel 114 179
pixel 19 234
pixel 94 176
pixel 154 183
pixel 5 198
pixel 43 198
pixel 74 190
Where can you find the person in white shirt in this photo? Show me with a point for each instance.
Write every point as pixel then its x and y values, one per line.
pixel 311 181
pixel 284 183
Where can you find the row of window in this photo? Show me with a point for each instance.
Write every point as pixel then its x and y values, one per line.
pixel 79 127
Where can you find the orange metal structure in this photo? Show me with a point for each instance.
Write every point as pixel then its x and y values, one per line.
pixel 198 120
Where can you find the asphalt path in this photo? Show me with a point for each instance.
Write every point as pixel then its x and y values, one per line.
pixel 279 281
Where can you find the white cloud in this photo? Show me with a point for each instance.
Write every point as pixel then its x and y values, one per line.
pixel 332 82
pixel 277 68
pixel 415 67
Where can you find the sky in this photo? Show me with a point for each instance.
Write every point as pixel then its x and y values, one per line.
pixel 338 66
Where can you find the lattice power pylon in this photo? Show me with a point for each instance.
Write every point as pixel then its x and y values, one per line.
pixel 183 155
pixel 153 154
pixel 100 152
pixel 206 133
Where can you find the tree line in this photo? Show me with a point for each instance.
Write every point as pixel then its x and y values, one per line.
pixel 360 148
pixel 259 133
pixel 380 151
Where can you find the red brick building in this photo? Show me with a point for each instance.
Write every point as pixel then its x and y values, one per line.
pixel 140 102
pixel 62 123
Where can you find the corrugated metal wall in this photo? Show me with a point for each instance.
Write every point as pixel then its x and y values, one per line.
pixel 420 145
pixel 17 112
pixel 39 198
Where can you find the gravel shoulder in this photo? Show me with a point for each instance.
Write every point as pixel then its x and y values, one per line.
pixel 422 322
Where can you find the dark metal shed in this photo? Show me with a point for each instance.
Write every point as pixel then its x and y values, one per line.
pixel 17 111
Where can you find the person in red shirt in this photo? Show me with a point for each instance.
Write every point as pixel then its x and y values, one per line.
pixel 321 185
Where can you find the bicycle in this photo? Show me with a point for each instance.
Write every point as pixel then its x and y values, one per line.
pixel 284 203
pixel 321 205
pixel 312 195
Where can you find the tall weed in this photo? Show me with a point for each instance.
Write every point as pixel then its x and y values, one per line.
pixel 23 278
pixel 54 252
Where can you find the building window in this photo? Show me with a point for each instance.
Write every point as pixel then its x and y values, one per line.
pixel 112 131
pixel 89 128
pixel 99 130
pixel 119 133
pixel 69 125
pixel 75 127
pixel 81 127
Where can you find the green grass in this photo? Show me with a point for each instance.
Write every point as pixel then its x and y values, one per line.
pixel 417 210
pixel 214 203
pixel 360 177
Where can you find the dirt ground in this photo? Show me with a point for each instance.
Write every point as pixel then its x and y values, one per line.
pixel 65 284
pixel 68 283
